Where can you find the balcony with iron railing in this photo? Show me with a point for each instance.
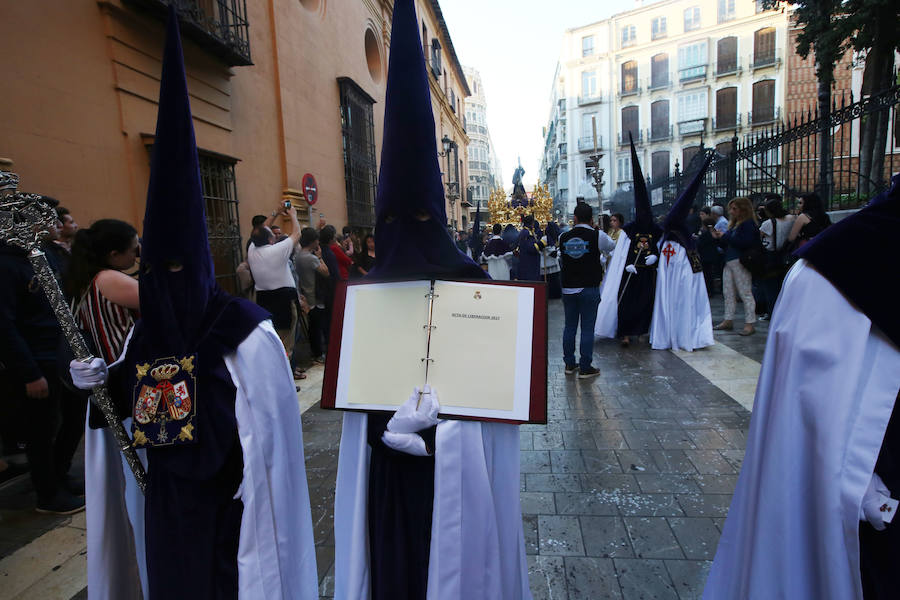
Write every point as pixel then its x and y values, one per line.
pixel 763 60
pixel 694 73
pixel 638 138
pixel 729 124
pixel 586 143
pixel 595 99
pixel 631 90
pixel 764 117
pixel 692 127
pixel 660 83
pixel 220 27
pixel 728 66
pixel 660 134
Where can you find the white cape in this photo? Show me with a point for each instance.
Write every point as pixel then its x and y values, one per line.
pixel 682 319
pixel 826 391
pixel 608 311
pixel 276 552
pixel 477 541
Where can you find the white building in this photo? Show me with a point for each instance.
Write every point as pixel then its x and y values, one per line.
pixel 671 73
pixel 484 168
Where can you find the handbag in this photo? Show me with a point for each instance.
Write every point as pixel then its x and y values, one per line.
pixel 755 258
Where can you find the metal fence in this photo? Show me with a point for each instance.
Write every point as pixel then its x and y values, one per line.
pixel 785 158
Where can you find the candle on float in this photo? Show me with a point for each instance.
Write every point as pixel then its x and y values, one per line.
pixel 594 127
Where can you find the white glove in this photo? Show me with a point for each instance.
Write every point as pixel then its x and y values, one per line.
pixel 410 419
pixel 87 375
pixel 877 507
pixel 631 269
pixel 650 260
pixel 410 443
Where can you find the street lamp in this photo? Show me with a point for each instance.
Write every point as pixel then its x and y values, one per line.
pixel 452 186
pixel 597 175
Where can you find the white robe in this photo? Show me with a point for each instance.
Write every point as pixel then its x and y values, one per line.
pixel 682 319
pixel 276 552
pixel 826 391
pixel 498 266
pixel 477 541
pixel 608 311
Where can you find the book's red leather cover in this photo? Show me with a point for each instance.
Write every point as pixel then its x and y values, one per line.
pixel 537 412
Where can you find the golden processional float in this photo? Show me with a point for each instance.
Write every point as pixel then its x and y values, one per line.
pixel 511 210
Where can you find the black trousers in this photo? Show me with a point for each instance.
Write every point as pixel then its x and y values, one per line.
pixel 51 427
pixel 317 331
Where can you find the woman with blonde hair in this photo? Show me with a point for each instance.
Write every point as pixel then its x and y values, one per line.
pixel 742 235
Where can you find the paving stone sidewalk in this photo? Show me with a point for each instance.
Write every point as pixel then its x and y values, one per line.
pixel 625 490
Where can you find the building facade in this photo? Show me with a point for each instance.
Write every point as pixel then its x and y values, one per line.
pixel 274 98
pixel 484 167
pixel 670 74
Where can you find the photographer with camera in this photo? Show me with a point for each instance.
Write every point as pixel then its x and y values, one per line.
pixel 270 265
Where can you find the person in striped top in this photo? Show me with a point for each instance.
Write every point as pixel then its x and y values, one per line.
pixel 105 299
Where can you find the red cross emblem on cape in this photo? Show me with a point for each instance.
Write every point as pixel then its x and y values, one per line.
pixel 668 252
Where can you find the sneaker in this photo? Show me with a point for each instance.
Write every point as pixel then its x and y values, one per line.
pixel 589 372
pixel 63 503
pixel 571 369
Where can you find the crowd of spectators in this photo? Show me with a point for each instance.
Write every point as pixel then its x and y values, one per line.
pixel 747 255
pixel 294 278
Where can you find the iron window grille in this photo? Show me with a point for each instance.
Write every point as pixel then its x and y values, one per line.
pixel 360 172
pixel 220 26
pixel 222 219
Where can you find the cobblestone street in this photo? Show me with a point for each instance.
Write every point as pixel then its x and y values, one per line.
pixel 624 491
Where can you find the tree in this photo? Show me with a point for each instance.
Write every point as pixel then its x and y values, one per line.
pixel 871 27
pixel 824 33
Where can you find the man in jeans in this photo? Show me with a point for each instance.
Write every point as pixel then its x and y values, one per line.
pixel 309 263
pixel 581 275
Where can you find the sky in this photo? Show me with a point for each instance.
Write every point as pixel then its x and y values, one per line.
pixel 515 44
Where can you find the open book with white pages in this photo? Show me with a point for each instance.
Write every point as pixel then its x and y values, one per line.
pixel 482 345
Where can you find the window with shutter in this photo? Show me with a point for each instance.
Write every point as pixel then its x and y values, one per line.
pixel 692 61
pixel 763 101
pixel 659 71
pixel 660 165
pixel 587 45
pixel 588 84
pixel 764 47
pixel 629 77
pixel 726 55
pixel 630 123
pixel 658 28
pixel 623 168
pixel 726 10
pixel 659 120
pixel 692 18
pixel 724 148
pixel 726 108
pixel 687 154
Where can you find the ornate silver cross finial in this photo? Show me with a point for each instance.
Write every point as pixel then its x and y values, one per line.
pixel 25 220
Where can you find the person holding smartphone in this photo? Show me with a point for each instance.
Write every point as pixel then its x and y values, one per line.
pixel 276 291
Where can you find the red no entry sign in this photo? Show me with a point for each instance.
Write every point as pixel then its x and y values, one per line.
pixel 309 189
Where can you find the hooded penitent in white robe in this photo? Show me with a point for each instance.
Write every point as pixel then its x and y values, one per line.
pixel 608 311
pixel 682 319
pixel 276 552
pixel 826 391
pixel 477 541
